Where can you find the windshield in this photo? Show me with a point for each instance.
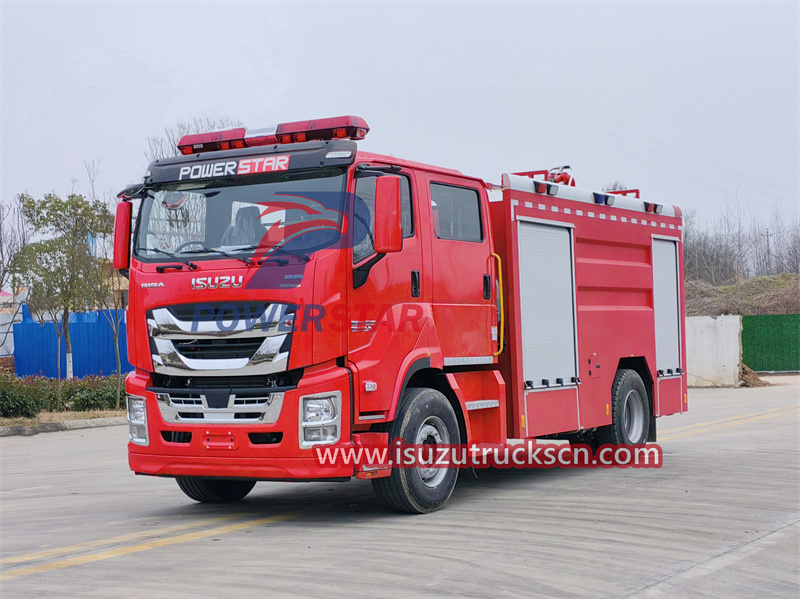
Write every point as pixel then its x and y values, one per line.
pixel 294 212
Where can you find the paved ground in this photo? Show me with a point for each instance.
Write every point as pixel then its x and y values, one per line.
pixel 720 519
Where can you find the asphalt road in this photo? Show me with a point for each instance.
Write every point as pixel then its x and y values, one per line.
pixel 719 519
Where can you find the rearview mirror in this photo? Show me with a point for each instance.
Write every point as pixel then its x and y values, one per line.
pixel 388 222
pixel 122 236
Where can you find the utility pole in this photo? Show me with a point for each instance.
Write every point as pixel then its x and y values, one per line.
pixel 768 234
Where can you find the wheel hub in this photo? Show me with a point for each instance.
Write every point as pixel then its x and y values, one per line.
pixel 432 432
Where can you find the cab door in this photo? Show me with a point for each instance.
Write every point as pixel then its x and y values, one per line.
pixel 385 298
pixel 463 271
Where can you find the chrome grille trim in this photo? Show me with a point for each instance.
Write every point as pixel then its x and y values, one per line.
pixel 271 326
pixel 267 410
pixel 267 359
pixel 272 321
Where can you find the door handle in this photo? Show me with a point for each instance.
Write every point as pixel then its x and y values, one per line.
pixel 415 286
pixel 487 287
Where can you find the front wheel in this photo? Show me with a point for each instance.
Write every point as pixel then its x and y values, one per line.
pixel 630 411
pixel 425 417
pixel 214 490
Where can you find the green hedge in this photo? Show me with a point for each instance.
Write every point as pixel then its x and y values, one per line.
pixel 771 341
pixel 28 396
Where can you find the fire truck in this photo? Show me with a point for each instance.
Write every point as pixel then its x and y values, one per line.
pixel 290 292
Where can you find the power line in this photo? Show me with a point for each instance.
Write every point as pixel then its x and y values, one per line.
pixel 794 193
pixel 793 202
pixel 661 143
pixel 684 176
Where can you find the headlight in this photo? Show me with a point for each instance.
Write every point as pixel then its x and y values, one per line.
pixel 320 418
pixel 137 419
pixel 320 409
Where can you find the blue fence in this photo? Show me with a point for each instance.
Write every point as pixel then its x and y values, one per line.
pixel 92 346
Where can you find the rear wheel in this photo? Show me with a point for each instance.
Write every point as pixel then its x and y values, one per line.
pixel 214 490
pixel 425 417
pixel 630 409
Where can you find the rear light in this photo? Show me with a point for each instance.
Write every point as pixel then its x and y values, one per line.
pixel 342 127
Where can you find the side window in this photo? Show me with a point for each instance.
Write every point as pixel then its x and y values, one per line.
pixel 365 189
pixel 456 213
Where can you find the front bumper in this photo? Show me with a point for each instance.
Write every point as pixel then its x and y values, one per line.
pixel 229 450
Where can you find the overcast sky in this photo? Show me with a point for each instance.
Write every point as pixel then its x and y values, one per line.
pixel 694 103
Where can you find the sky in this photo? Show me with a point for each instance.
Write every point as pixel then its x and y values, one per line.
pixel 697 104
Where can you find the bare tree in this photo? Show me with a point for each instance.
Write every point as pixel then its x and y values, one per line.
pixel 166 145
pixel 108 288
pixel 736 246
pixel 13 239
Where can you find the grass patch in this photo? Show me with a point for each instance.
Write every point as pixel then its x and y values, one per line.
pixel 61 417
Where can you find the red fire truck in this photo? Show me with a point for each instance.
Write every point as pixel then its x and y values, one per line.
pixel 288 291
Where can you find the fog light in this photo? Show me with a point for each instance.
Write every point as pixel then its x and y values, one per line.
pixel 321 434
pixel 137 419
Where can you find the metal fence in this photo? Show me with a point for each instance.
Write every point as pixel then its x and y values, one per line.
pixel 771 342
pixel 92 346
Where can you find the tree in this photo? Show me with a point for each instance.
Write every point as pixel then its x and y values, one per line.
pixel 166 146
pixel 13 237
pixel 107 287
pixel 109 290
pixel 57 269
pixel 728 250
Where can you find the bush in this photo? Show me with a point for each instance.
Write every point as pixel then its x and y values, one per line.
pixel 26 397
pixel 94 393
pixel 18 398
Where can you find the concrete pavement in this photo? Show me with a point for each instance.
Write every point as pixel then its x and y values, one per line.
pixel 719 519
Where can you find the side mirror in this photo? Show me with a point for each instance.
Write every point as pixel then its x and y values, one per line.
pixel 122 236
pixel 388 221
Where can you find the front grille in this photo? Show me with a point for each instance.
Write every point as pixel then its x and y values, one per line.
pixel 284 379
pixel 218 349
pixel 186 399
pixel 207 312
pixel 250 338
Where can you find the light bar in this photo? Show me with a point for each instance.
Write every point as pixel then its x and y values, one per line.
pixel 341 127
pixel 214 140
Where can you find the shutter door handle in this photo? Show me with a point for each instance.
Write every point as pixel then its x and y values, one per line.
pixel 415 286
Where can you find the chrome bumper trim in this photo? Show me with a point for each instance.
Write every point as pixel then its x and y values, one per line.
pixel 251 410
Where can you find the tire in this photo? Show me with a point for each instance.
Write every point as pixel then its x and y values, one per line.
pixel 214 490
pixel 425 417
pixel 630 409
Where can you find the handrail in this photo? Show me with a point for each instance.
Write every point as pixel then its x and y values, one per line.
pixel 500 297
